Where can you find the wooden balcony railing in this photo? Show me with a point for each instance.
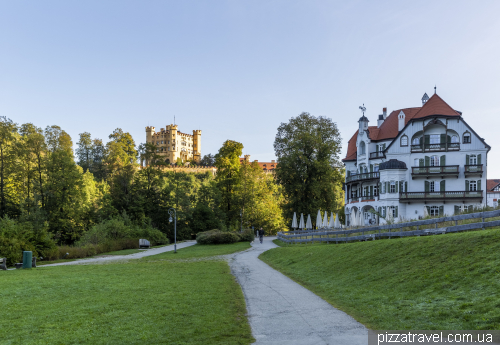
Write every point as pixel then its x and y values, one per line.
pixel 435 147
pixel 439 196
pixel 431 171
pixel 363 176
pixel 473 169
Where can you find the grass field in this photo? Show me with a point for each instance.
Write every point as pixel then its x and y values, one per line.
pixel 138 302
pixel 447 281
pixel 198 251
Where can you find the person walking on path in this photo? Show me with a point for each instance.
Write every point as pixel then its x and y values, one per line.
pixel 261 235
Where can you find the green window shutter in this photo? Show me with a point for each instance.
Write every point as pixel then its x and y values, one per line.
pixel 348 173
pixel 396 209
pixel 427 161
pixel 478 184
pixel 371 190
pixel 441 209
pixel 442 186
pixel 387 187
pixel 376 148
pixel 478 159
pixel 427 139
pixel 421 162
pixel 406 186
pixel 380 211
pixel 467 160
pixel 385 211
pixel 443 139
pixel 420 142
pixel 380 189
pixel 457 209
pixel 383 147
pixel 466 185
pixel 371 167
pixel 443 160
pixel 396 185
pixel 449 139
pixel 427 187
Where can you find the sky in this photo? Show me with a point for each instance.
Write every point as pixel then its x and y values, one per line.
pixel 237 69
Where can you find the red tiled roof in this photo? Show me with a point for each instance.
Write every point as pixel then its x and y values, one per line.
pixel 351 148
pixel 389 128
pixel 436 106
pixel 490 184
pixel 263 165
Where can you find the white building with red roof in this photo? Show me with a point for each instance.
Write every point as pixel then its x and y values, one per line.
pixel 493 192
pixel 417 161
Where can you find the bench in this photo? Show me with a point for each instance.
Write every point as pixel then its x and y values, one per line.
pixel 20 265
pixel 144 244
pixel 3 264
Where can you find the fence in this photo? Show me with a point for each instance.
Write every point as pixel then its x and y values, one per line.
pixel 347 235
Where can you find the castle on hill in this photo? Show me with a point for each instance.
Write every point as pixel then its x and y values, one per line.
pixel 173 144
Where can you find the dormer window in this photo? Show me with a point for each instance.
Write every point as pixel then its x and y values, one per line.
pixel 404 140
pixel 466 138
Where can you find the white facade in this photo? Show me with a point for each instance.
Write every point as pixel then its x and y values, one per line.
pixel 432 164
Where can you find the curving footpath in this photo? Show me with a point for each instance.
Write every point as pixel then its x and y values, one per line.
pixel 283 312
pixel 142 254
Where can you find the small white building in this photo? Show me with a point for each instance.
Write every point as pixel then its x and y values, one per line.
pixel 415 162
pixel 493 192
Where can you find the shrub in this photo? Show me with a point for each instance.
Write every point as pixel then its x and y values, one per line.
pixel 217 237
pixel 247 235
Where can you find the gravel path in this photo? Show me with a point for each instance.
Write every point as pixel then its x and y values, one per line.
pixel 283 312
pixel 111 258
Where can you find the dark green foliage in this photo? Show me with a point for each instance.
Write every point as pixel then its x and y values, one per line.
pixel 309 167
pixel 207 160
pixel 217 237
pixel 247 235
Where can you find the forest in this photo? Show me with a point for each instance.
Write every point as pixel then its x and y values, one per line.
pixel 52 197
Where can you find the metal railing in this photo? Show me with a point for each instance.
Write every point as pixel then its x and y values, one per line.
pixel 378 154
pixel 339 236
pixel 363 176
pixel 406 196
pixel 445 169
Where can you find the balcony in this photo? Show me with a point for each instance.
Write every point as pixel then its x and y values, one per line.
pixel 440 196
pixel 378 154
pixel 362 177
pixel 473 170
pixel 368 197
pixel 435 147
pixel 440 171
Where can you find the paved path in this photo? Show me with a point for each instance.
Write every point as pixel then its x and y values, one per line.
pixel 283 312
pixel 142 254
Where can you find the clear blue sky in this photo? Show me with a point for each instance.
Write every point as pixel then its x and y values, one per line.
pixel 237 69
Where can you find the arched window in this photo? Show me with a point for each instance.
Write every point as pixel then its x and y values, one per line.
pixel 454 139
pixel 362 148
pixel 404 140
pixel 466 137
pixel 416 141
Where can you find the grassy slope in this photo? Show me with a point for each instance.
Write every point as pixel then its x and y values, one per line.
pixel 135 303
pixel 198 251
pixel 438 282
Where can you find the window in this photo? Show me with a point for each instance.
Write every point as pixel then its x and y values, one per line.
pixel 362 148
pixel 473 160
pixel 162 142
pixel 466 138
pixel 434 161
pixel 375 168
pixel 394 211
pixel 375 190
pixel 435 139
pixel 416 162
pixel 393 188
pixel 404 140
pixel 431 186
pixel 416 141
pixel 472 186
pixel 496 189
pixel 434 211
pixel 454 139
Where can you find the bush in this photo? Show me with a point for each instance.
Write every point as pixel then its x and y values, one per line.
pixel 247 235
pixel 217 237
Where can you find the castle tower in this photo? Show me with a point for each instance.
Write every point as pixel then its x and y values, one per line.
pixel 197 145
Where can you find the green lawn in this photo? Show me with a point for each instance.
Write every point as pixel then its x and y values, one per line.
pixel 122 252
pixel 198 251
pixel 447 281
pixel 138 302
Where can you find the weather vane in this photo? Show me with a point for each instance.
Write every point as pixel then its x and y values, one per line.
pixel 363 109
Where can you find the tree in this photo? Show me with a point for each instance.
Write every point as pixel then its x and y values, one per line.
pixel 7 159
pixel 99 153
pixel 309 168
pixel 207 160
pixel 227 161
pixel 126 141
pixel 84 151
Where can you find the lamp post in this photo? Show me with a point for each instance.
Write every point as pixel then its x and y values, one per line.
pixel 173 213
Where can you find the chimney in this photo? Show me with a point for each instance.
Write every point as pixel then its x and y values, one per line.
pixel 381 118
pixel 273 161
pixel 401 121
pixel 247 158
